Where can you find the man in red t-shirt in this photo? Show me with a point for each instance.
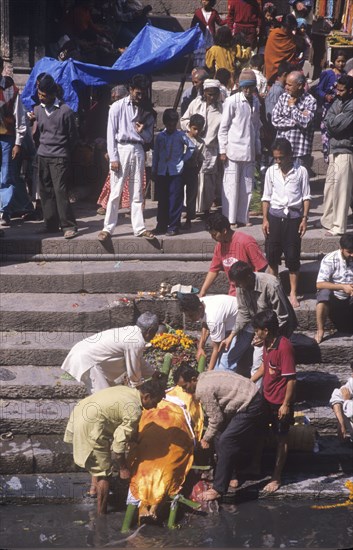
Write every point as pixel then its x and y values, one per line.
pixel 278 371
pixel 230 248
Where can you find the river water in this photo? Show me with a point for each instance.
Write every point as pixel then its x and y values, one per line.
pixel 254 524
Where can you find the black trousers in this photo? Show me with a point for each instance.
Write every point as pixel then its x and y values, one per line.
pixel 238 439
pixel 53 189
pixel 284 237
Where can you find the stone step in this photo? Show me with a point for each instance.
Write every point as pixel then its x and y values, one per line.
pixel 320 414
pixel 82 312
pixel 69 487
pixel 319 383
pixel 22 241
pixel 36 416
pixel 42 488
pixel 46 416
pixel 335 348
pixel 35 382
pixel 19 247
pixel 50 382
pixel 116 276
pixel 40 454
pixel 37 348
pixel 72 487
pixel 50 348
pixel 79 312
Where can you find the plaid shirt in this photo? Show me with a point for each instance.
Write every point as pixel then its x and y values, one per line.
pixel 293 124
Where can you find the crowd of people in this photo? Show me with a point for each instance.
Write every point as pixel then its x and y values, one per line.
pixel 249 105
pixel 240 400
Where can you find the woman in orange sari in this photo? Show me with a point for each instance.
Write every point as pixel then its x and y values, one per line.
pixel 164 453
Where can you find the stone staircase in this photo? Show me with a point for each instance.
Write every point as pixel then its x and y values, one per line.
pixel 47 306
pixel 54 293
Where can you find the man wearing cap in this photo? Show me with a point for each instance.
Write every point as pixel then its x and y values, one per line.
pixel 209 105
pixel 239 145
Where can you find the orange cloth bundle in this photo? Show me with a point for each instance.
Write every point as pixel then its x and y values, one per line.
pixel 163 454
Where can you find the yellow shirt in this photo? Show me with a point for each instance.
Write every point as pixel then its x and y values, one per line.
pixel 110 415
pixel 218 57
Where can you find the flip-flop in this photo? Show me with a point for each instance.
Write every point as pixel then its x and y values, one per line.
pixel 70 233
pixel 147 235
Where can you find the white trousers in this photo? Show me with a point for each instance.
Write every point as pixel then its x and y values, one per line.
pixel 207 191
pixel 238 183
pixel 132 166
pixel 337 192
pixel 95 380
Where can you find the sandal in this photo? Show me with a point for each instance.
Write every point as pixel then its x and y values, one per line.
pixel 70 233
pixel 147 235
pixel 103 236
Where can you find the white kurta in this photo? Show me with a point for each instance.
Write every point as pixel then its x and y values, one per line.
pixel 239 139
pixel 114 352
pixel 209 174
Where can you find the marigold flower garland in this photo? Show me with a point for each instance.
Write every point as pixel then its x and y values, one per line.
pixel 348 502
pixel 182 346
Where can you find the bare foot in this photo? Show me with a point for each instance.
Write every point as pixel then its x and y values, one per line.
pixel 210 494
pixel 272 487
pixel 294 301
pixel 233 485
pixel 319 336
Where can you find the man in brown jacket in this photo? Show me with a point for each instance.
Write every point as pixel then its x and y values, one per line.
pixel 235 417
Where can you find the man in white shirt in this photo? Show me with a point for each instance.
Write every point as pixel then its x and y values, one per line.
pixel 218 315
pixel 335 289
pixel 285 207
pixel 342 405
pixel 209 105
pixel 130 126
pixel 239 146
pixel 101 359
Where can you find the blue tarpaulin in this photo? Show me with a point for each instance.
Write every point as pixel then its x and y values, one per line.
pixel 151 50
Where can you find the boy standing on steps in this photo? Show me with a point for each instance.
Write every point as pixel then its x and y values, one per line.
pixel 285 208
pixel 172 149
pixel 193 166
pixel 278 372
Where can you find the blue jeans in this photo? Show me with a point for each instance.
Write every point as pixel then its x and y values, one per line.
pixel 228 360
pixel 8 178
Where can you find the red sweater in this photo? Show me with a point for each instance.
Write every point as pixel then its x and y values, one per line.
pixel 214 18
pixel 244 12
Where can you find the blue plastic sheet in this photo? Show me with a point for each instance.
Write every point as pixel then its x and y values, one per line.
pixel 150 51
